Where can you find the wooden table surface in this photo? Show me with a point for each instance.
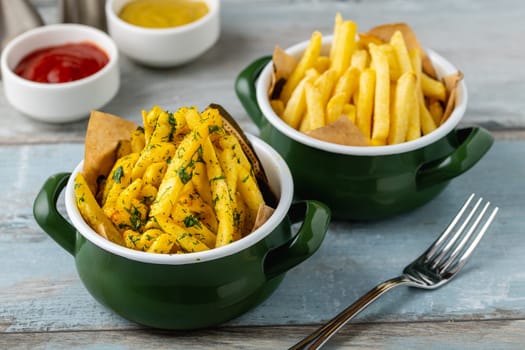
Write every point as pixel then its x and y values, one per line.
pixel 43 304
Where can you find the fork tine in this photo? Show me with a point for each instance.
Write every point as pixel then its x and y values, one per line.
pixel 430 253
pixel 445 251
pixel 459 247
pixel 468 252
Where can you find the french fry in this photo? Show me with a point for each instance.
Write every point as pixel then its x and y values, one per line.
pixel 92 213
pixel 322 64
pixel 153 153
pixel 278 107
pixel 220 194
pixel 360 59
pixel 349 111
pixel 347 83
pixel 403 107
pixel 138 140
pixel 433 88
pixel 325 84
pixel 427 123
pixel 334 107
pixel 365 102
pixel 315 115
pixel 414 123
pixel 400 49
pixel 436 110
pixel 393 64
pixel 119 178
pixel 345 46
pixel 381 117
pixel 296 106
pixel 337 24
pixel 307 61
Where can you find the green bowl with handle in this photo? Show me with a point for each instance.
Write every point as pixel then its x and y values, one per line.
pixel 194 290
pixel 370 182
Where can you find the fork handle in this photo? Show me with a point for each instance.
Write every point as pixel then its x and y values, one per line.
pixel 317 339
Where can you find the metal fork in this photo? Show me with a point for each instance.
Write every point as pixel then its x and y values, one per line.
pixel 435 267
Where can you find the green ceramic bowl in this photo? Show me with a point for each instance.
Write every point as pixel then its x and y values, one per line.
pixel 194 290
pixel 363 183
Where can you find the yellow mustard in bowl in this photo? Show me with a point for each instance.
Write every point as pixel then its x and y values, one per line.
pixel 163 13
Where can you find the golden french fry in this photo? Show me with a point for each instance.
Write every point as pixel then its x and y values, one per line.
pixel 296 106
pixel 365 102
pixel 436 110
pixel 154 152
pixel 349 111
pixel 414 124
pixel 325 84
pixel 119 178
pixel 393 64
pixel 155 173
pixel 337 24
pixel 427 123
pixel 347 83
pixel 334 108
pixel 322 64
pixel 381 117
pixel 307 61
pixel 360 59
pixel 277 106
pixel 433 88
pixel 345 46
pixel 315 116
pixel 401 52
pixel 404 100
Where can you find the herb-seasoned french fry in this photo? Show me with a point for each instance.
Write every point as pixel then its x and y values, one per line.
pixel 153 153
pixel 92 213
pixel 307 61
pixel 137 140
pixel 365 102
pixel 220 194
pixel 381 117
pixel 119 178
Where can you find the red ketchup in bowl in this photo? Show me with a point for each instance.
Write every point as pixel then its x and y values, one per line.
pixel 62 63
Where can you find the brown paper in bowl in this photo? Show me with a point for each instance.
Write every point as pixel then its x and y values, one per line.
pixel 385 31
pixel 104 132
pixel 342 132
pixel 283 66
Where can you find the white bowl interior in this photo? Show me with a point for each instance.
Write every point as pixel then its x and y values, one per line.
pixel 443 68
pixel 281 183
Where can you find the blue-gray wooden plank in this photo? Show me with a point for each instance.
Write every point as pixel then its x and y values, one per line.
pixel 40 291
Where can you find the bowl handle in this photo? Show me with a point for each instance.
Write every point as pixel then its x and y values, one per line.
pixel 47 216
pixel 316 218
pixel 245 88
pixel 474 142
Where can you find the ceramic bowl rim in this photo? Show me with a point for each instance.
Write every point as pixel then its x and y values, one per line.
pixel 285 201
pixel 113 55
pixel 213 5
pixel 441 65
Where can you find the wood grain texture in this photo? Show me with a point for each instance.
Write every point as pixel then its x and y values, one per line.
pixel 40 291
pixel 420 335
pixel 479 37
